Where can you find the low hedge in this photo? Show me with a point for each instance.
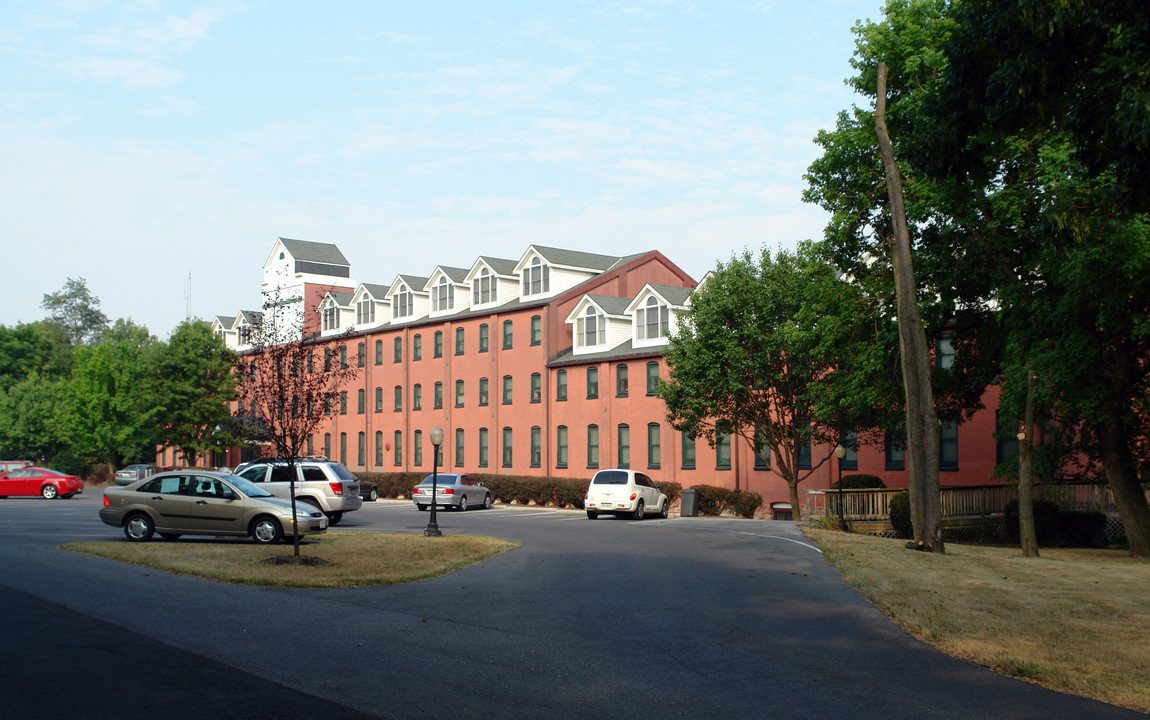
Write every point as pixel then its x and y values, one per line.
pixel 1045 521
pixel 860 481
pixel 716 500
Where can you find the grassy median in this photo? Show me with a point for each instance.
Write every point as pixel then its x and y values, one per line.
pixel 1073 620
pixel 334 560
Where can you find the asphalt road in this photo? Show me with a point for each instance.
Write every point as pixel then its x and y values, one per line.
pixel 685 617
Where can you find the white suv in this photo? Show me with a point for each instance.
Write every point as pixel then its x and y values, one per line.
pixel 327 485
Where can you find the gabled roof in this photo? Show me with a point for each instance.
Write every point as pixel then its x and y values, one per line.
pixel 250 317
pixel 225 321
pixel 575 258
pixel 609 304
pixel 500 266
pixel 341 297
pixel 414 282
pixel 454 274
pixel 673 294
pixel 379 292
pixel 308 251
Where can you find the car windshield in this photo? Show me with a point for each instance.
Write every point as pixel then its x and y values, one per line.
pixel 343 473
pixel 247 488
pixel 610 477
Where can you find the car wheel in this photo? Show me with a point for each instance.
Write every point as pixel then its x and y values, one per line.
pixel 49 492
pixel 591 514
pixel 422 508
pixel 139 528
pixel 170 536
pixel 487 501
pixel 663 510
pixel 334 518
pixel 638 514
pixel 373 495
pixel 463 503
pixel 266 531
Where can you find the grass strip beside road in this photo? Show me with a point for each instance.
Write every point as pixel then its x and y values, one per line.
pixel 1073 620
pixel 350 559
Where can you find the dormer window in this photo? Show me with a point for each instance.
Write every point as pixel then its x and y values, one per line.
pixel 483 288
pixel 590 330
pixel 330 316
pixel 365 311
pixel 443 296
pixel 652 320
pixel 536 278
pixel 245 335
pixel 404 303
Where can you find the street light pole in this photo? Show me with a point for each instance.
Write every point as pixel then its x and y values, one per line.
pixel 436 440
pixel 840 453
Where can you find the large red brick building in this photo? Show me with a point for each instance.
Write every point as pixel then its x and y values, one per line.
pixel 544 364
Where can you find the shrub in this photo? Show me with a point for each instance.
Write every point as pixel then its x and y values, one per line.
pixel 1081 528
pixel 900 514
pixel 712 499
pixel 1045 521
pixel 860 482
pixel 672 490
pixel 744 503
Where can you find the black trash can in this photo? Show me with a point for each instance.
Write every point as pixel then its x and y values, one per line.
pixel 690 503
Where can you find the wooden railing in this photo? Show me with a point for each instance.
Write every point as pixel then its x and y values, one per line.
pixel 973 501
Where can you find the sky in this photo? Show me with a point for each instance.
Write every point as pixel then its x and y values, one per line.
pixel 146 142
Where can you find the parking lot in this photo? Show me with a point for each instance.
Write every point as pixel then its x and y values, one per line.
pixel 684 617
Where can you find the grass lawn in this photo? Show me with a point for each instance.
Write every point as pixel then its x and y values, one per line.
pixel 1073 620
pixel 336 559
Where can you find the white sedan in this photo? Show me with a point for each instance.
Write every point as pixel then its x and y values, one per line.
pixel 624 493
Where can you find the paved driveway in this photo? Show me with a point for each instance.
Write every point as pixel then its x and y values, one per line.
pixel 686 617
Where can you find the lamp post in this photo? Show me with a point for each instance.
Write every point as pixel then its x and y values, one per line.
pixel 436 440
pixel 840 453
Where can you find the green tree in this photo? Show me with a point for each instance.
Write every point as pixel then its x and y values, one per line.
pixel 196 378
pixel 110 411
pixel 40 348
pixel 75 309
pixel 772 350
pixel 29 407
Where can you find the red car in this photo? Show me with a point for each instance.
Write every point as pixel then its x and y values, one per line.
pixel 39 481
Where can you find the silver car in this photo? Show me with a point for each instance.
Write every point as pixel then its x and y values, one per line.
pixel 195 502
pixel 452 490
pixel 132 473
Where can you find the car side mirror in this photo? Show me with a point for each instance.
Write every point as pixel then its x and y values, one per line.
pixel 228 495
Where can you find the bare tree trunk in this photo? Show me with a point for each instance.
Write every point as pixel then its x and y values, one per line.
pixel 793 487
pixel 921 418
pixel 1028 534
pixel 1118 464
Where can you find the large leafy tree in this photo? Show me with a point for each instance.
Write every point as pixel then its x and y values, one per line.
pixel 41 347
pixel 196 378
pixel 75 309
pixel 29 408
pixel 771 350
pixel 111 412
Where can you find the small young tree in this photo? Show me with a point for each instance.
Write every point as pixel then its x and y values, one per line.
pixel 288 381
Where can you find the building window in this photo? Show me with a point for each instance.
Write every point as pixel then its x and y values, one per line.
pixel 365 311
pixel 723 452
pixel 310 362
pixel 326 361
pixel 652 377
pixel 379 399
pixel 361 402
pixel 561 385
pixel 483 288
pixel 805 455
pixel 762 450
pixel 536 387
pixel 343 357
pixel 417 397
pixel 378 447
pixel 398 394
pixel 536 278
pixel 592 446
pixel 403 303
pixel 944 353
pixel 506 334
pixel 327 445
pixel 310 447
pixel 343 402
pixel 361 355
pixel 624 445
pixel 459 447
pixel 343 448
pixel 483 391
pixel 561 446
pixel 437 348
pixel 417 449
pixel 652 320
pixel 443 296
pixel 850 460
pixel 397 350
pixel 590 329
pixel 1006 439
pixel 688 450
pixel 417 347
pixel 506 389
pixel 378 353
pixel 459 341
pixel 896 447
pixel 482 447
pixel 483 338
pixel 361 450
pixel 592 383
pixel 536 446
pixel 458 393
pixel 330 316
pixel 506 447
pixel 438 401
pixel 948 445
pixel 654 446
pixel 536 330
